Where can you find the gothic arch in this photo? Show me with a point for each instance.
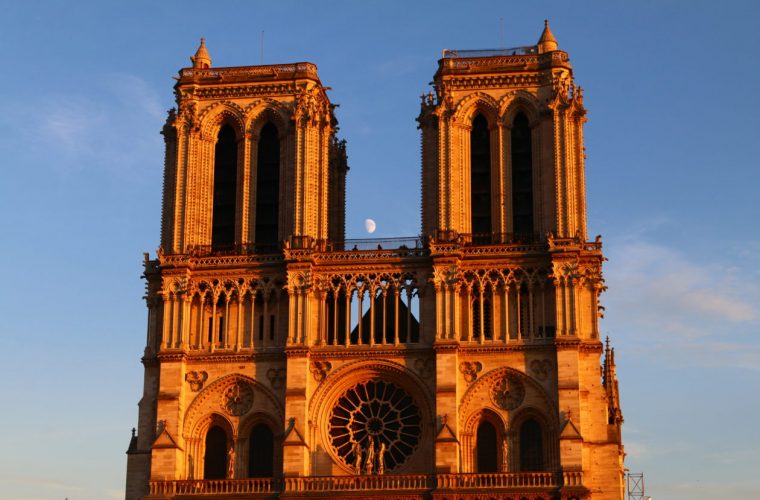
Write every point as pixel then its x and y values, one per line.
pixel 471 443
pixel 268 111
pixel 206 403
pixel 549 437
pixel 477 102
pixel 535 396
pixel 203 425
pixel 247 425
pixel 515 102
pixel 485 413
pixel 222 113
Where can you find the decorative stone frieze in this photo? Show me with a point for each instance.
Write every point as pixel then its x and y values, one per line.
pixel 470 370
pixel 196 379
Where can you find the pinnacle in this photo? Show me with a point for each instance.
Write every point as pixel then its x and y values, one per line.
pixel 201 59
pixel 547 42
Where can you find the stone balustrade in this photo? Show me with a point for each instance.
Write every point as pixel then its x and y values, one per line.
pixel 410 483
pixel 168 489
pixel 497 481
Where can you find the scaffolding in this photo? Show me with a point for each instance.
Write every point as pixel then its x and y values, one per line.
pixel 635 482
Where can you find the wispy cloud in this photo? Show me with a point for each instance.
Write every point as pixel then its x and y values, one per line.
pixel 70 120
pixel 112 126
pixel 666 298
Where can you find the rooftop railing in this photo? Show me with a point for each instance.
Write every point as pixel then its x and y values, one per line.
pixel 513 51
pixel 363 244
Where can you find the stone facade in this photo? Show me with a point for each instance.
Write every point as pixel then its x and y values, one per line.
pixel 284 361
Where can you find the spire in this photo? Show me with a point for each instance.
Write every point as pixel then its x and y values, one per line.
pixel 201 59
pixel 610 384
pixel 547 42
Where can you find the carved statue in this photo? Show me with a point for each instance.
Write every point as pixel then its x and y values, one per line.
pixel 505 455
pixel 231 463
pixel 370 461
pixel 380 455
pixel 357 450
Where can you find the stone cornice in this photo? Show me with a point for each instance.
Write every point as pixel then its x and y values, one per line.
pixel 569 343
pixel 545 345
pixel 365 351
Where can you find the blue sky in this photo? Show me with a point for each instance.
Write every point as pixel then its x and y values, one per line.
pixel 672 175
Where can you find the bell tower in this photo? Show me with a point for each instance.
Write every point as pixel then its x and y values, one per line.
pixel 248 158
pixel 502 142
pixel 517 283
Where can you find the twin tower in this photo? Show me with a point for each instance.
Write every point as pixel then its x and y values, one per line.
pixel 283 360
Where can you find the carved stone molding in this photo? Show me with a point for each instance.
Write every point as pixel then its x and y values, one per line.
pixel 470 370
pixel 196 380
pixel 237 398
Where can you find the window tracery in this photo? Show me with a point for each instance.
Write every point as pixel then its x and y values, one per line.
pixel 375 415
pixel 369 309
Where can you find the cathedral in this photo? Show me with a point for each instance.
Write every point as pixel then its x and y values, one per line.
pixel 283 360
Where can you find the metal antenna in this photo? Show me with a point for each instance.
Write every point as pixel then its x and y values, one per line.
pixel 261 61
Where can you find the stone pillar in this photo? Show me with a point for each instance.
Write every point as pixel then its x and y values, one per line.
pixel 167 454
pixel 447 452
pixel 295 452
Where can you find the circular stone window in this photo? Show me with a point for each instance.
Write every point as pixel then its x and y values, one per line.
pixel 373 417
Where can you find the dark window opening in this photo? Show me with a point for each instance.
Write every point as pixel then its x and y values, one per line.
pixel 522 177
pixel 524 311
pixel 480 176
pixel 531 446
pixel 261 452
pixel 487 330
pixel 271 327
pixel 486 448
pixel 268 186
pixel 225 190
pixel 215 461
pixel 336 317
pixel 408 325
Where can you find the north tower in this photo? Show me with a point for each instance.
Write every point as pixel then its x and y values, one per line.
pixel 284 360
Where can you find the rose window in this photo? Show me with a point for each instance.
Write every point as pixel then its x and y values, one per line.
pixel 237 399
pixel 375 419
pixel 508 392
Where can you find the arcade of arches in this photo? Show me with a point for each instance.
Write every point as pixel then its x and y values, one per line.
pixel 284 360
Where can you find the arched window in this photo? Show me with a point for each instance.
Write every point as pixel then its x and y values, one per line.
pixel 486 448
pixel 261 452
pixel 480 177
pixel 215 460
pixel 268 186
pixel 522 177
pixel 225 189
pixel 531 446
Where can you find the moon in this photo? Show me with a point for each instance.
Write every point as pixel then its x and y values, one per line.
pixel 370 225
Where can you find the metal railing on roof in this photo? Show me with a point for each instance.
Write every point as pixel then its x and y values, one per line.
pixel 513 51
